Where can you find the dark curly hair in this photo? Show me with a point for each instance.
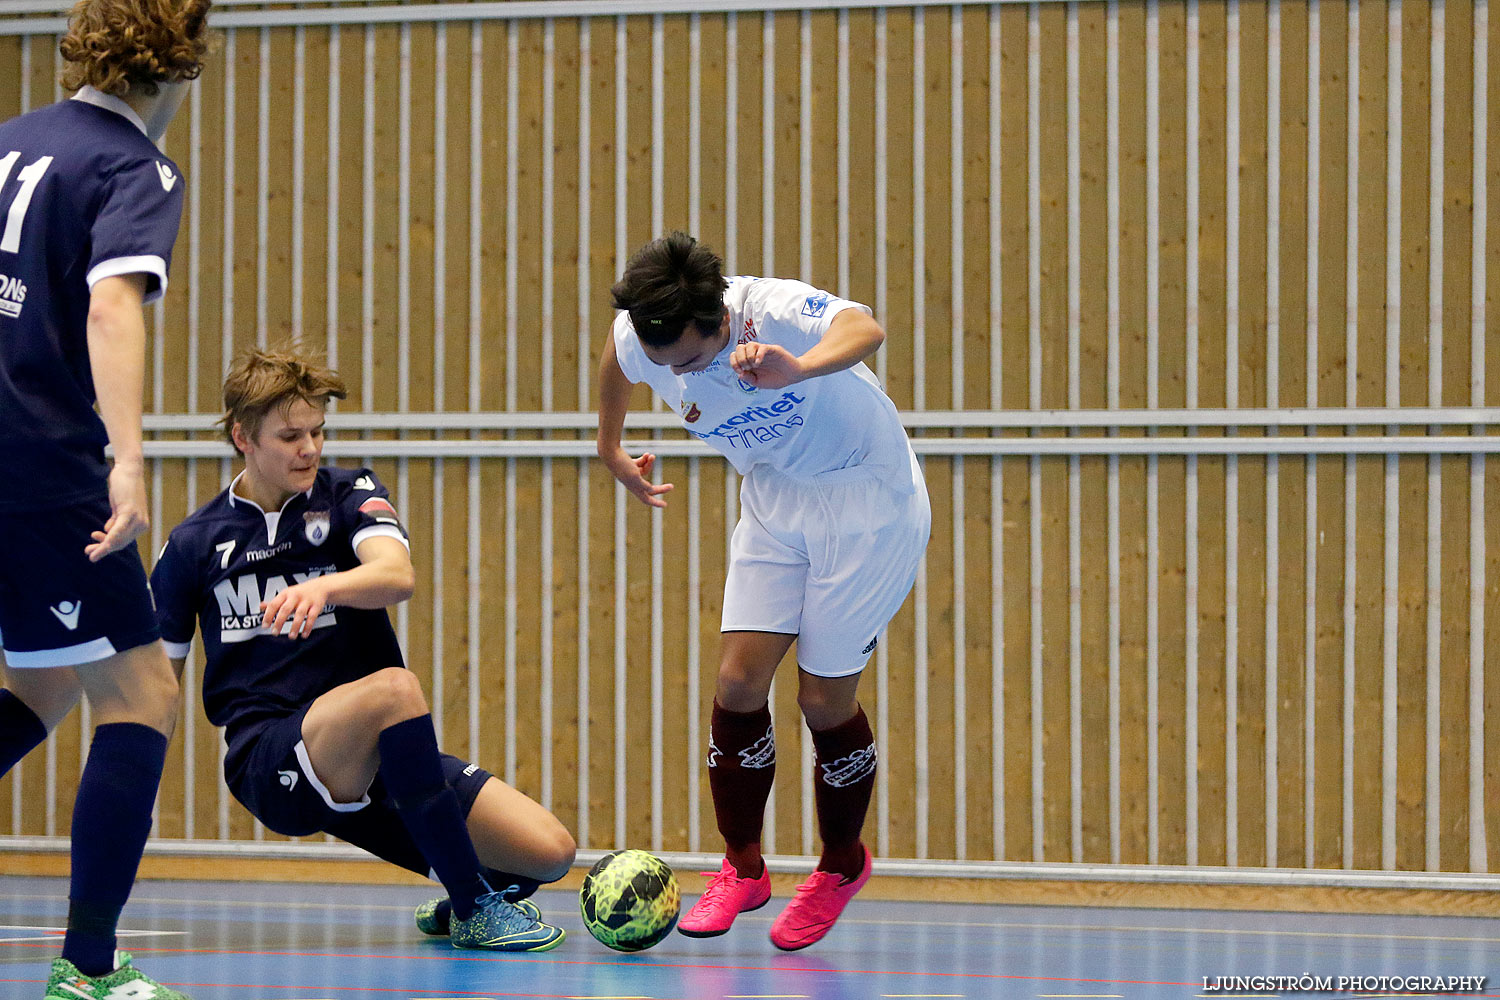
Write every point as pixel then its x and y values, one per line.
pixel 113 45
pixel 669 283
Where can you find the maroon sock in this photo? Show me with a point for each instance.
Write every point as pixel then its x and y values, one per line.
pixel 843 778
pixel 741 767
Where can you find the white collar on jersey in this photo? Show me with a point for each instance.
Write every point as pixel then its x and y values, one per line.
pixel 235 498
pixel 109 102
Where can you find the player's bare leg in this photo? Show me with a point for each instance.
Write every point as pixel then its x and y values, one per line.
pixel 32 703
pixel 514 833
pixel 137 685
pixel 50 693
pixel 341 730
pixel 741 767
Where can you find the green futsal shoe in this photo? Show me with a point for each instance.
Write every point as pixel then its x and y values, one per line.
pixel 432 917
pixel 497 924
pixel 67 983
pixel 435 915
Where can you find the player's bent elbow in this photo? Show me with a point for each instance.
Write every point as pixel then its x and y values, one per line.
pixel 405 585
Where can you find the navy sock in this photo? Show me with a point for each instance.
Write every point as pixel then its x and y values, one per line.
pixel 20 731
pixel 111 819
pixel 512 885
pixel 413 775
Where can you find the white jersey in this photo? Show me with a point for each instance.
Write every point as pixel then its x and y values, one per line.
pixel 835 421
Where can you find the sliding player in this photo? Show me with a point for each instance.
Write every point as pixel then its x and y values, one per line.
pixel 288 573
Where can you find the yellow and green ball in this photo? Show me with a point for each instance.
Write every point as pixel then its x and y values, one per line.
pixel 630 900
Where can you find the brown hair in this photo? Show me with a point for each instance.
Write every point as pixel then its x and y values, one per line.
pixel 669 283
pixel 263 380
pixel 113 45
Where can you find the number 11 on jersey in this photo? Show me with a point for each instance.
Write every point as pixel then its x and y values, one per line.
pixel 30 176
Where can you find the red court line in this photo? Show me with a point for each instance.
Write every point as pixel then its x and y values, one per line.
pixel 417 993
pixel 369 989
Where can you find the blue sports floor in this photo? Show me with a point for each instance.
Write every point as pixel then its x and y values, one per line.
pixel 220 940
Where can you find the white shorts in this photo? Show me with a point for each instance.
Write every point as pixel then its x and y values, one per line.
pixel 829 560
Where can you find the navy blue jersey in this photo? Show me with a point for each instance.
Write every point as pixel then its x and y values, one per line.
pixel 229 556
pixel 84 195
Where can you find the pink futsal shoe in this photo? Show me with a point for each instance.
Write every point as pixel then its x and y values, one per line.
pixel 815 906
pixel 726 897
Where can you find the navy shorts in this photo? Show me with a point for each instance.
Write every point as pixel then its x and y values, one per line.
pixel 57 609
pixel 277 784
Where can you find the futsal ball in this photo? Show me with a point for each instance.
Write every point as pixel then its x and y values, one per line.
pixel 629 900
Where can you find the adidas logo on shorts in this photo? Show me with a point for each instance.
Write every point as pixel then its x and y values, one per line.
pixel 870 648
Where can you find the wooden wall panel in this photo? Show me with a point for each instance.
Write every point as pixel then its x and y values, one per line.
pixel 349 218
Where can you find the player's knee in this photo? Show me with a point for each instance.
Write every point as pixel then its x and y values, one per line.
pixel 824 708
pixel 738 691
pixel 398 694
pixel 157 692
pixel 559 853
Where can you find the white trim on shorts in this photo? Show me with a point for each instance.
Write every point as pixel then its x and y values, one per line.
pixel 305 763
pixel 65 656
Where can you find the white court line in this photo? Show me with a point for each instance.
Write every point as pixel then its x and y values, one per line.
pixel 63 930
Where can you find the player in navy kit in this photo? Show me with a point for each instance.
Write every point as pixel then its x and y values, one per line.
pixel 89 210
pixel 287 573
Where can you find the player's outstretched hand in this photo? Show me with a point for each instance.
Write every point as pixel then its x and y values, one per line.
pixel 635 475
pixel 295 610
pixel 766 366
pixel 128 519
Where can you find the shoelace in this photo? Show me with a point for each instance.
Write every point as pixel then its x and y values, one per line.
pixel 512 916
pixel 719 885
pixel 815 881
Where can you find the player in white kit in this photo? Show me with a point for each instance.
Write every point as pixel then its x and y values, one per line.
pixel 834 518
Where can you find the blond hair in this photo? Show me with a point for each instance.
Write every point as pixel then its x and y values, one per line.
pixel 273 379
pixel 113 45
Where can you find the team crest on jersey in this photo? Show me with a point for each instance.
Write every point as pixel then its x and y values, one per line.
pixel 690 412
pixel 317 524
pixel 815 304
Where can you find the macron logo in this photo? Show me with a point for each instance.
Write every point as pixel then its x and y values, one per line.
pixel 67 612
pixel 288 779
pixel 365 483
pixel 167 177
